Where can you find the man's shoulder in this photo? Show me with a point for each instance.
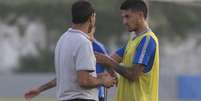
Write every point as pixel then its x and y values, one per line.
pixel 97 44
pixel 99 47
pixel 79 37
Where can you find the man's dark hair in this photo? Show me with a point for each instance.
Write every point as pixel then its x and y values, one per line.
pixel 81 11
pixel 135 5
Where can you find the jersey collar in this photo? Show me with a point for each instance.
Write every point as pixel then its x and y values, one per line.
pixel 145 31
pixel 134 35
pixel 78 31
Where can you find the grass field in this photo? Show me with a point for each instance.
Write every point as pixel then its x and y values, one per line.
pixel 35 99
pixel 54 99
pixel 22 99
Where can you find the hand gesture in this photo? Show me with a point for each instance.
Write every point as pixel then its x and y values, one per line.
pixel 31 94
pixel 108 80
pixel 113 74
pixel 91 34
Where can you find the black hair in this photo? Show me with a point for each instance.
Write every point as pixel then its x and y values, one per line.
pixel 135 5
pixel 81 11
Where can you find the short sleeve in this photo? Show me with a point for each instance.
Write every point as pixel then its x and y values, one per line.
pixel 120 52
pixel 145 53
pixel 84 57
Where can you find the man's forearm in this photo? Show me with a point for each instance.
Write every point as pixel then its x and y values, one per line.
pixel 125 72
pixel 111 72
pixel 92 82
pixel 48 85
pixel 129 73
pixel 87 81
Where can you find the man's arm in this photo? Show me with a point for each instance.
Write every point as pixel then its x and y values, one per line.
pixel 48 85
pixel 37 90
pixel 87 81
pixel 131 73
pixel 115 56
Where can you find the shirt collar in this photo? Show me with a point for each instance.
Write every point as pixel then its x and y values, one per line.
pixel 146 30
pixel 78 31
pixel 134 35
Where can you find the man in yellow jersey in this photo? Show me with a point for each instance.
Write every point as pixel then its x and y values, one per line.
pixel 139 68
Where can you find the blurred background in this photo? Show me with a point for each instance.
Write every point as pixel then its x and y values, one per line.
pixel 29 30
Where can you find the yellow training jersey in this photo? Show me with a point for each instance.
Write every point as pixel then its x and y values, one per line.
pixel 143 49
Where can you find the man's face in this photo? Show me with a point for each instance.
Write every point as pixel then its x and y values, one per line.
pixel 130 19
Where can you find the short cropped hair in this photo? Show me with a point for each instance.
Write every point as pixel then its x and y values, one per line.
pixel 135 5
pixel 81 11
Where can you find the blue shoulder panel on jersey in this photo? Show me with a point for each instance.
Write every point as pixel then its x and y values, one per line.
pixel 99 47
pixel 120 52
pixel 145 53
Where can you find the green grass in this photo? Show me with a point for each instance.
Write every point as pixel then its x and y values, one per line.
pixel 22 99
pixel 34 99
pixel 54 99
pixel 48 99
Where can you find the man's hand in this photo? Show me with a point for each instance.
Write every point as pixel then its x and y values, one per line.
pixel 91 34
pixel 104 59
pixel 113 74
pixel 101 75
pixel 107 80
pixel 31 94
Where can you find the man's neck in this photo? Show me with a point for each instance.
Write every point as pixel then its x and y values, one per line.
pixel 81 27
pixel 144 26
